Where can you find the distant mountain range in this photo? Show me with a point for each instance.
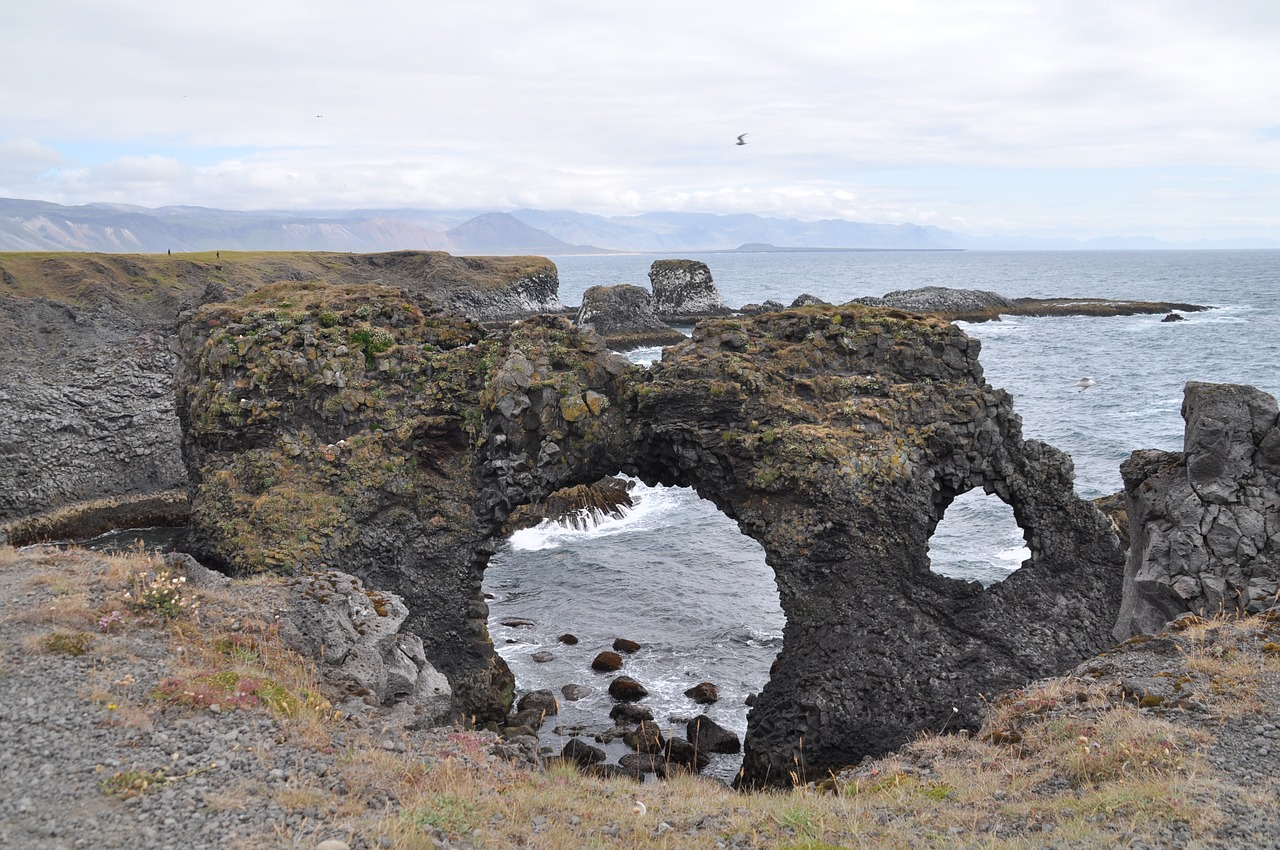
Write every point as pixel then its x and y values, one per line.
pixel 42 226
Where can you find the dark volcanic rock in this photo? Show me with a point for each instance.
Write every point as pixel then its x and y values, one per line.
pixel 645 763
pixel 543 701
pixel 573 692
pixel 627 689
pixel 568 639
pixel 645 738
pixel 581 753
pixel 625 645
pixel 607 662
pixel 703 693
pixel 710 737
pixel 396 443
pixel 1205 522
pixel 86 342
pixel 680 752
pixel 769 306
pixel 529 718
pixel 623 316
pixel 626 712
pixel 807 300
pixel 1174 317
pixel 683 291
pixel 941 299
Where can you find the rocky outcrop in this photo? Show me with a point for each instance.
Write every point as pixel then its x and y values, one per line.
pixel 394 444
pixel 623 316
pixel 86 395
pixel 1205 522
pixel 355 633
pixel 684 292
pixel 941 299
pixel 979 305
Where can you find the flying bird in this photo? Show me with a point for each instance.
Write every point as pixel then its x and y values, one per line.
pixel 742 140
pixel 1084 383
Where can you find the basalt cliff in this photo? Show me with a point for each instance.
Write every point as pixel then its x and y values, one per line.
pixel 358 429
pixel 86 387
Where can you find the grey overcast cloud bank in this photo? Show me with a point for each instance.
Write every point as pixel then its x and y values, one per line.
pixel 1030 117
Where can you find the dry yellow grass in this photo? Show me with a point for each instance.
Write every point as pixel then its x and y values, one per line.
pixel 1065 761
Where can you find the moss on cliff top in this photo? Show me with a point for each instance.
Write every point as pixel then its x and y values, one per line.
pixel 85 280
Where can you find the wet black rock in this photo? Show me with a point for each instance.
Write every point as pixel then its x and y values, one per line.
pixel 710 737
pixel 543 701
pixel 573 692
pixel 581 753
pixel 627 689
pixel 646 737
pixel 680 752
pixel 607 662
pixel 629 713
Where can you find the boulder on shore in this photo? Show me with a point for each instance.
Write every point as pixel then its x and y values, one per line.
pixel 710 737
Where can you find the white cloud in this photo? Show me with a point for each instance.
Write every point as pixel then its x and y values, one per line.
pixel 626 107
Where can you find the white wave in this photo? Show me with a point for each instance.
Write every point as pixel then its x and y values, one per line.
pixel 654 507
pixel 1017 554
pixel 646 356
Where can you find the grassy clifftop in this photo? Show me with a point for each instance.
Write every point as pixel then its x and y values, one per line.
pixel 83 280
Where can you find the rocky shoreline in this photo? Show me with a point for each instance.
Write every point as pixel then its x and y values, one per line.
pixel 375 444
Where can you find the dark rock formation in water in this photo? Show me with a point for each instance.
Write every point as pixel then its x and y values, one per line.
pixel 979 305
pixel 940 299
pixel 623 316
pixel 368 435
pixel 87 385
pixel 683 291
pixel 1205 522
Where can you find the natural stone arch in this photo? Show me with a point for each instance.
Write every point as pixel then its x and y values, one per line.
pixel 841 435
pixel 831 435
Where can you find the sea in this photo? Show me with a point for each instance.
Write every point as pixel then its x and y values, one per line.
pixel 678 577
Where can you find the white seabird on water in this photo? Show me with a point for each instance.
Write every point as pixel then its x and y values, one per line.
pixel 742 140
pixel 1084 383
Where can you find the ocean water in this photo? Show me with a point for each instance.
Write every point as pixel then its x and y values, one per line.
pixel 678 577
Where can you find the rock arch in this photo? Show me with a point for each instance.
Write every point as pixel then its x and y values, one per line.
pixel 392 443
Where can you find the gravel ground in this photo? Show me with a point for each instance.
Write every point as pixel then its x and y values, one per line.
pixel 73 728
pixel 79 734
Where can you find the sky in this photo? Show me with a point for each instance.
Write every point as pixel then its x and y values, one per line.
pixel 1069 118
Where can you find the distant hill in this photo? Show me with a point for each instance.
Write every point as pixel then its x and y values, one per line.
pixel 119 228
pixel 501 233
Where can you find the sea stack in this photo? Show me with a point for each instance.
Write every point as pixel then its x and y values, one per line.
pixel 684 292
pixel 623 316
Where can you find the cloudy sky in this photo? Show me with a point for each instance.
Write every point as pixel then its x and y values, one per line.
pixel 1037 117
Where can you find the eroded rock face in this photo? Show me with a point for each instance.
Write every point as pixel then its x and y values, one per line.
pixel 623 316
pixel 683 291
pixel 356 633
pixel 393 444
pixel 1205 522
pixel 86 392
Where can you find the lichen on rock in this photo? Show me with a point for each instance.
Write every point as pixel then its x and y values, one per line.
pixel 836 437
